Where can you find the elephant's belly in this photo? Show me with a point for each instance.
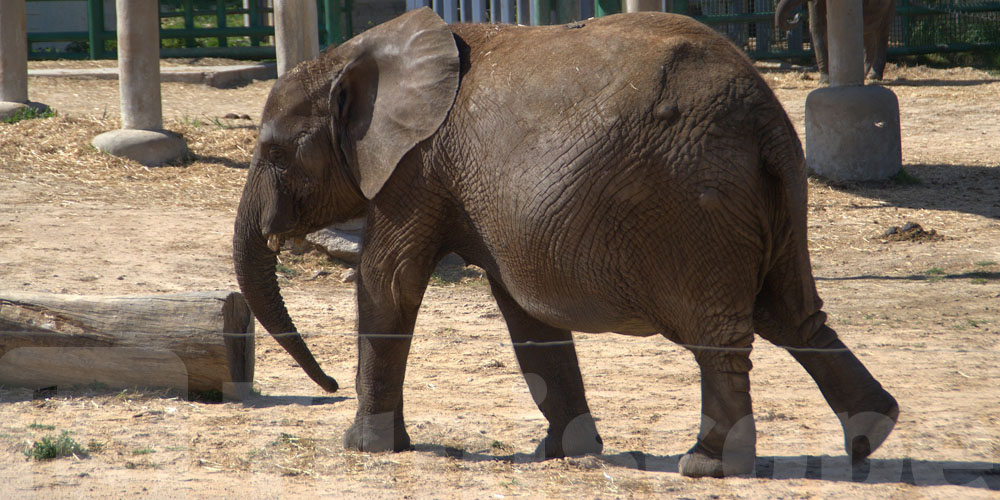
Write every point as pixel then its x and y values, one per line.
pixel 580 313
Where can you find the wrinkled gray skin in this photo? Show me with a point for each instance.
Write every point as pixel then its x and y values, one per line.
pixel 877 16
pixel 630 174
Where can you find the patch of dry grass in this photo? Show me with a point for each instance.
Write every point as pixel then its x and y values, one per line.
pixel 57 152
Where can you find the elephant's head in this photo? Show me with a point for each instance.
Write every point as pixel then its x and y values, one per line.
pixel 332 132
pixel 782 12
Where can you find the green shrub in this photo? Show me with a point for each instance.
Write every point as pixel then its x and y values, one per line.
pixel 28 113
pixel 50 447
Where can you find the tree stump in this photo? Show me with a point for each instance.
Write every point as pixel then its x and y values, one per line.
pixel 194 342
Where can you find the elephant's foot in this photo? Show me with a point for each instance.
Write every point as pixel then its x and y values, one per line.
pixel 578 438
pixel 824 78
pixel 698 462
pixel 727 440
pixel 377 433
pixel 875 77
pixel 865 431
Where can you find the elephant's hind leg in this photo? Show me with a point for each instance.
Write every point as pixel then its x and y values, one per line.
pixel 790 318
pixel 727 440
pixel 866 411
pixel 548 361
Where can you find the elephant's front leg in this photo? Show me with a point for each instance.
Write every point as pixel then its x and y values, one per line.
pixel 385 328
pixel 548 360
pixel 727 440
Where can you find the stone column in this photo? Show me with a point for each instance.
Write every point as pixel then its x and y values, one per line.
pixel 141 137
pixel 844 27
pixel 13 58
pixel 852 130
pixel 296 32
pixel 139 64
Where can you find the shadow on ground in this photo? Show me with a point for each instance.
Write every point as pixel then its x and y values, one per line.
pixel 978 475
pixel 959 188
pixel 981 276
pixel 937 83
pixel 260 401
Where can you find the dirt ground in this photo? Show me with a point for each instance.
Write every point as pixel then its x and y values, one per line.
pixel 920 309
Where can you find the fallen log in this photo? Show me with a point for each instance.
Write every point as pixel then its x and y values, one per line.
pixel 194 342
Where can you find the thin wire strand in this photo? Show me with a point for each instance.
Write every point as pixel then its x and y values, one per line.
pixel 573 342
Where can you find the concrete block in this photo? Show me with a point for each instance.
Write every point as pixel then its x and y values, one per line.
pixel 852 133
pixel 148 147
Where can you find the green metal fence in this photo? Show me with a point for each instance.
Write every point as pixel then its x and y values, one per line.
pixel 239 28
pixel 919 27
pixel 236 29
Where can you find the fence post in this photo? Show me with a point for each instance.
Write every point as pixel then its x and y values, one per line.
pixel 523 11
pixel 541 12
pixel 349 17
pixel 905 4
pixel 607 7
pixel 567 10
pixel 141 137
pixel 332 14
pixel 188 22
pixel 764 29
pixel 220 21
pixel 95 27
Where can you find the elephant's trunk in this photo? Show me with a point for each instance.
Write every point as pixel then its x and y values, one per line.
pixel 781 13
pixel 255 266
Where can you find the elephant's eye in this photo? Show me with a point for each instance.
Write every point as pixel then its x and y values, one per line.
pixel 278 157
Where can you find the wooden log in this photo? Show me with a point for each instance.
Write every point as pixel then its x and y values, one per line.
pixel 194 342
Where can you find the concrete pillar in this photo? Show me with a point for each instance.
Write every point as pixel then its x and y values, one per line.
pixel 296 32
pixel 139 64
pixel 13 58
pixel 13 52
pixel 141 137
pixel 852 130
pixel 844 28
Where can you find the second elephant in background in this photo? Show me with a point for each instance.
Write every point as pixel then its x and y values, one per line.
pixel 877 15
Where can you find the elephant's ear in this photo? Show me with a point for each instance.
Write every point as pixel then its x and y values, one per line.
pixel 396 86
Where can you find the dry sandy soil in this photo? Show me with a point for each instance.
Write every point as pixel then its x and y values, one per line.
pixel 922 313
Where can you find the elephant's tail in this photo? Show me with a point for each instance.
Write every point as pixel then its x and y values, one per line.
pixel 787 281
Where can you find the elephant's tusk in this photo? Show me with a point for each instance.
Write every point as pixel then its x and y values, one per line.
pixel 274 242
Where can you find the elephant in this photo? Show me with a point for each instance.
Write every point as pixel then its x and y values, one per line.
pixel 630 174
pixel 877 16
